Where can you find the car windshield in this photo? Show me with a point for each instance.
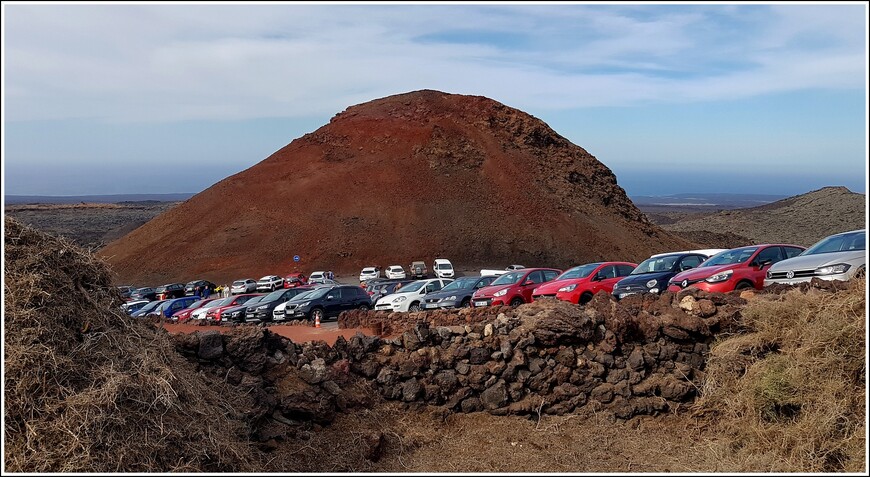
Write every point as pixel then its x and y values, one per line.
pixel 730 257
pixel 273 296
pixel 461 283
pixel 198 304
pixel 508 278
pixel 305 295
pixel 656 264
pixel 256 299
pixel 238 283
pixel 444 266
pixel 315 294
pixel 192 284
pixel 150 306
pixel 265 279
pixel 838 243
pixel 581 271
pixel 411 287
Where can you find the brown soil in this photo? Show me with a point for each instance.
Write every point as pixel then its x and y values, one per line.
pixel 409 177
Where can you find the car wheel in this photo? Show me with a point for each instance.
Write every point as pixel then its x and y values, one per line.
pixel 415 307
pixel 585 298
pixel 466 303
pixel 363 308
pixel 860 273
pixel 743 286
pixel 317 314
pixel 516 302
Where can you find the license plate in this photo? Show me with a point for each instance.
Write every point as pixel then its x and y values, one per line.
pixel 480 303
pixel 623 295
pixel 430 305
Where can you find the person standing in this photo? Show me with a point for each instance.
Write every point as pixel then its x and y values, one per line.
pixel 205 291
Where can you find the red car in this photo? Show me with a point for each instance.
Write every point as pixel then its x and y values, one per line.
pixel 184 315
pixel 296 279
pixel 735 269
pixel 579 284
pixel 214 313
pixel 513 288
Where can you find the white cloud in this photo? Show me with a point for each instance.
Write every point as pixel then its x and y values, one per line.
pixel 168 62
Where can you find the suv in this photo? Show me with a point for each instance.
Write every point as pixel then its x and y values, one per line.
pixel 270 283
pixel 735 269
pixel 145 293
pixel 190 288
pixel 513 288
pixel 327 302
pixel 443 268
pixel 837 257
pixel 579 284
pixel 410 296
pixel 418 270
pixel 652 275
pixel 262 310
pixel 245 285
pixel 171 290
pixel 457 293
pixel 126 291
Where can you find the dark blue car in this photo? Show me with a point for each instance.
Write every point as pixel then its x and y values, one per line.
pixel 653 274
pixel 456 293
pixel 172 306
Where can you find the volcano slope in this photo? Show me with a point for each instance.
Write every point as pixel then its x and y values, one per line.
pixel 408 177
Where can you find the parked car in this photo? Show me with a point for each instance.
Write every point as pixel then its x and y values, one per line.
pixel 513 288
pixel 410 296
pixel 170 307
pixel 323 281
pixel 245 285
pixel 170 290
pixel 652 275
pixel 369 273
pixel 295 279
pixel 326 302
pixel 278 313
pixel 144 293
pixel 315 276
pixel 379 289
pixel 148 308
pixel 199 313
pixel 133 306
pixel 840 256
pixel 214 313
pixel 126 291
pixel 190 288
pixel 184 315
pixel 270 283
pixel 456 293
pixel 443 268
pixel 509 268
pixel 579 284
pixel 736 269
pixel 418 270
pixel 236 313
pixel 262 311
pixel 395 272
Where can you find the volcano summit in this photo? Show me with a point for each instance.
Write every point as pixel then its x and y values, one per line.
pixel 408 177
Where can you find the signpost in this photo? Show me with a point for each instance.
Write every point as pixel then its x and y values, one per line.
pixel 296 258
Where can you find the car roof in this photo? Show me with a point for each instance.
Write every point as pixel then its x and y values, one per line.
pixel 442 260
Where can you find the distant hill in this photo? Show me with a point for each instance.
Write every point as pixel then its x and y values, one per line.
pixel 802 220
pixel 702 199
pixel 101 199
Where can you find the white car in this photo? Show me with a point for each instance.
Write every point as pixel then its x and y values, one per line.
pixel 488 272
pixel 837 257
pixel 369 273
pixel 395 272
pixel 199 313
pixel 245 285
pixel 410 296
pixel 443 268
pixel 270 283
pixel 316 276
pixel 709 252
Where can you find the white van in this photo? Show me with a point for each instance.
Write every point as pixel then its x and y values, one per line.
pixel 443 268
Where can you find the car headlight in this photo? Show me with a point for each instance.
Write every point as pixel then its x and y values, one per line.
pixel 399 299
pixel 651 283
pixel 653 290
pixel 833 269
pixel 263 307
pixel 720 277
pixel 449 298
pixel 569 288
pixel 236 313
pixel 768 274
pixel 304 304
pixel 501 292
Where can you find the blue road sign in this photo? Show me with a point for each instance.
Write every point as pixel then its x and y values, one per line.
pixel 295 258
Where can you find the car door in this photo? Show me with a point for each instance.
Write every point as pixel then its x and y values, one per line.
pixel 604 279
pixel 536 278
pixel 332 302
pixel 758 267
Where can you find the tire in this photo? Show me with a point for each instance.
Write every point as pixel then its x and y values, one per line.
pixel 743 286
pixel 415 307
pixel 517 302
pixel 466 303
pixel 861 273
pixel 363 308
pixel 584 298
pixel 317 312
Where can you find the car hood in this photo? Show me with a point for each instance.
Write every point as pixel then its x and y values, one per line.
pixel 555 285
pixel 233 308
pixel 645 277
pixel 701 273
pixel 805 262
pixel 492 289
pixel 445 294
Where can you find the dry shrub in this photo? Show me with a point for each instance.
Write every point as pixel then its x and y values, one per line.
pixel 789 392
pixel 88 389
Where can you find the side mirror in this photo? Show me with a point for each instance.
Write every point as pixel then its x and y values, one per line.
pixel 329 297
pixel 598 277
pixel 764 263
pixel 527 283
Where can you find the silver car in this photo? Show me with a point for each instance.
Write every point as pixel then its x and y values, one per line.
pixel 838 257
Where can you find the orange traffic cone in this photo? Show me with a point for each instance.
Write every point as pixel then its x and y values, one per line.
pixel 317 321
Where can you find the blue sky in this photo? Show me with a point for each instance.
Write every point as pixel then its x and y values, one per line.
pixel 148 98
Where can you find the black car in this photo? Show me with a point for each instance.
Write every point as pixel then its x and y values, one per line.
pixel 384 288
pixel 190 288
pixel 653 274
pixel 148 308
pixel 170 290
pixel 327 302
pixel 237 313
pixel 262 310
pixel 145 293
pixel 456 293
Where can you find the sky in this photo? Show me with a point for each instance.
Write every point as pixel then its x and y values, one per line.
pixel 673 98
